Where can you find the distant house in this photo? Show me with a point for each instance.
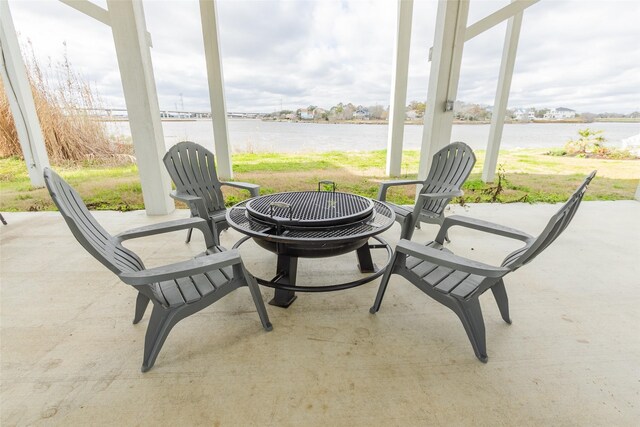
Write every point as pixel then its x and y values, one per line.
pixel 175 115
pixel 560 113
pixel 524 115
pixel 306 115
pixel 361 113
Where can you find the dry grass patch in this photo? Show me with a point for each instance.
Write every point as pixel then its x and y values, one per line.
pixel 63 101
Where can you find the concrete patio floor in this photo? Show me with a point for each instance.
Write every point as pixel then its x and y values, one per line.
pixel 70 355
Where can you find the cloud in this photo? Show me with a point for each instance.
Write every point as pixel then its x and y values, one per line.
pixel 583 55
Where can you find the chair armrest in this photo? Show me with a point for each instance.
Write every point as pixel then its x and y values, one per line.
pixel 425 197
pixel 384 186
pixel 254 189
pixel 447 259
pixel 448 194
pixel 478 224
pixel 181 269
pixel 168 227
pixel 192 201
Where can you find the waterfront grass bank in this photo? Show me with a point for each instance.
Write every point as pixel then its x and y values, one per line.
pixel 526 175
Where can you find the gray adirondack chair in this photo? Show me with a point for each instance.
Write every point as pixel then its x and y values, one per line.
pixel 458 282
pixel 176 290
pixel 193 171
pixel 450 168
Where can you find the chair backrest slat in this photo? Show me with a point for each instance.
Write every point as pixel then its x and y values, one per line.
pixel 207 168
pixel 193 171
pixel 450 168
pixel 95 239
pixel 556 225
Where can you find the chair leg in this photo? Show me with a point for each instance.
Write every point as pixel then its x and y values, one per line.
pixel 160 324
pixel 215 232
pixel 441 221
pixel 257 300
pixel 500 294
pixel 189 235
pixel 406 231
pixel 383 285
pixel 470 314
pixel 142 301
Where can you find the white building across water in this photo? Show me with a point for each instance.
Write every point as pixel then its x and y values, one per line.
pixel 560 113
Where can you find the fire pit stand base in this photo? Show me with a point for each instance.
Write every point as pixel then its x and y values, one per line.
pixel 287 270
pixel 284 282
pixel 365 263
pixel 283 299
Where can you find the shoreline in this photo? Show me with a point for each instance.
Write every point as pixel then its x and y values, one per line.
pixel 386 122
pixel 455 122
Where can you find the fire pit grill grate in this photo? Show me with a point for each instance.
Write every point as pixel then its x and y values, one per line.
pixel 310 208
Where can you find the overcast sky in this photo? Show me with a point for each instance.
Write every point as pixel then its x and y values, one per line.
pixel 583 55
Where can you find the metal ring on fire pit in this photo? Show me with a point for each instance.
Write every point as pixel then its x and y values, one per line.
pixel 327 288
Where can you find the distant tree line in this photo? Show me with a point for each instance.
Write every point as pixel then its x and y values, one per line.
pixel 415 110
pixel 340 112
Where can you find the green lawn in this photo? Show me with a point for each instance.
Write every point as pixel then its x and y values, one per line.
pixel 527 175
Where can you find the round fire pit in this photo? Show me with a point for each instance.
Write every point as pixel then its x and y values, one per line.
pixel 312 224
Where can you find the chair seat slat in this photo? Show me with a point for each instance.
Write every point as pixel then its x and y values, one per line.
pixel 203 284
pixel 451 281
pixel 467 286
pixel 188 290
pixel 171 293
pixel 437 275
pixel 424 268
pixel 217 278
pixel 412 262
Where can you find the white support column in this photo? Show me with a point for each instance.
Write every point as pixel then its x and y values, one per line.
pixel 502 96
pixel 211 38
pixel 399 85
pixel 18 89
pixel 451 21
pixel 134 60
pixel 637 196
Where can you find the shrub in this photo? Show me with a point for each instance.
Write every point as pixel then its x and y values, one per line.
pixel 591 143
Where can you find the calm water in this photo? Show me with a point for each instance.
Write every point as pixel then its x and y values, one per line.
pixel 259 136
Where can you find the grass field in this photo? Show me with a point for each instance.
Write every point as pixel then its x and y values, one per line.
pixel 527 175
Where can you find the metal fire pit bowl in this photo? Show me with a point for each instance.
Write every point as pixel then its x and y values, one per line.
pixel 312 224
